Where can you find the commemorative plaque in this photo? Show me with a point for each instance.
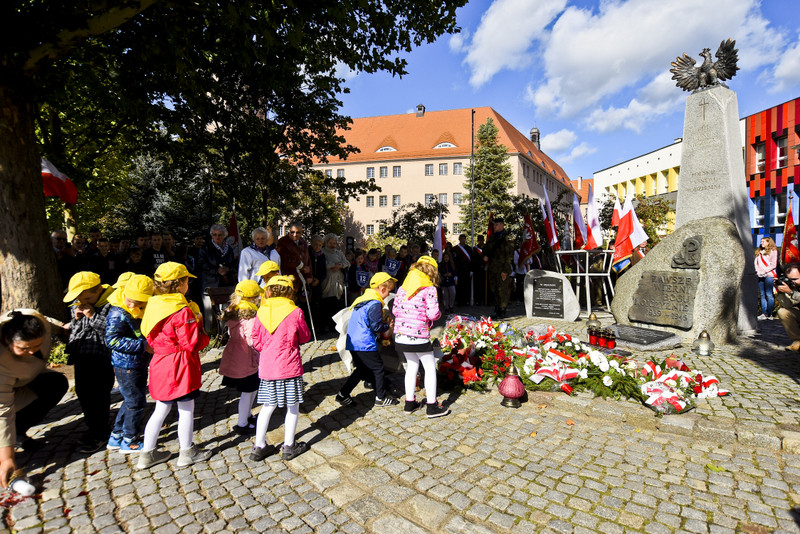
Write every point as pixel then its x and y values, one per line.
pixel 665 298
pixel 644 338
pixel 548 298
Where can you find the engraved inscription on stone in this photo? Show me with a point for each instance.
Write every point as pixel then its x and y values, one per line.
pixel 548 298
pixel 665 298
pixel 689 255
pixel 640 336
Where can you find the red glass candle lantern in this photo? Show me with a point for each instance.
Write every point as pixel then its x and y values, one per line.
pixel 511 388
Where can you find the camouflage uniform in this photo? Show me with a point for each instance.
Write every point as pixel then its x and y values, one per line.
pixel 500 252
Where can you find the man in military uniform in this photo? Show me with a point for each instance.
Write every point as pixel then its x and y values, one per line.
pixel 499 252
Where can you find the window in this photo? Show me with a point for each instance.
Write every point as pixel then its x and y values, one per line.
pixel 429 169
pixel 340 173
pixel 456 198
pixel 781 155
pixel 382 201
pixel 384 172
pixel 370 229
pixel 370 201
pixel 396 171
pixel 428 199
pixel 443 169
pixel 395 200
pixel 761 156
pixel 370 172
pixel 758 212
pixel 456 228
pixel 443 198
pixel 329 173
pixel 386 149
pixel 779 209
pixel 445 145
pixel 381 228
pixel 458 168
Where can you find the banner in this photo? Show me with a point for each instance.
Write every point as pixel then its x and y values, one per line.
pixel 629 236
pixel 578 224
pixel 549 223
pixel 530 245
pixel 617 215
pixel 789 251
pixel 594 233
pixel 57 184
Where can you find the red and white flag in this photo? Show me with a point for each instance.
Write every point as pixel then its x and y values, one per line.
pixel 789 249
pixel 530 245
pixel 438 238
pixel 234 241
pixel 594 233
pixel 578 224
pixel 549 223
pixel 617 215
pixel 57 184
pixel 630 233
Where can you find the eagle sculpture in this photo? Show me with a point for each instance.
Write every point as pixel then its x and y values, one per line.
pixel 691 78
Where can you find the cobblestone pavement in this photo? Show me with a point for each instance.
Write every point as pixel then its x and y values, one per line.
pixel 557 464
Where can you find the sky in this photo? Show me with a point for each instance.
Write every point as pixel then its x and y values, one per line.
pixel 592 75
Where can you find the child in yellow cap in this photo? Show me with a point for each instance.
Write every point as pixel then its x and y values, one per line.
pixel 174 328
pixel 130 355
pixel 277 335
pixel 239 362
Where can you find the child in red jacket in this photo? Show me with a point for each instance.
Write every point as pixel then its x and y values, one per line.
pixel 174 328
pixel 277 335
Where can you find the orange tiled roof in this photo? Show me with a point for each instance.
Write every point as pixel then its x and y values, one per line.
pixel 414 137
pixel 583 192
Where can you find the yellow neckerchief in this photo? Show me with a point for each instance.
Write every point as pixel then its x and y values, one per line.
pixel 103 300
pixel 247 305
pixel 415 280
pixel 117 299
pixel 274 311
pixel 159 307
pixel 369 294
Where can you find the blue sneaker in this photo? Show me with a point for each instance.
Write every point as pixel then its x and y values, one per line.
pixel 130 447
pixel 114 442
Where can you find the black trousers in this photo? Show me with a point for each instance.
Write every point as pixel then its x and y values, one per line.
pixel 94 378
pixel 49 387
pixel 366 365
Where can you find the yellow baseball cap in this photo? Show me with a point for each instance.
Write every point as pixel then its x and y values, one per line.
pixel 139 288
pixel 428 259
pixel 380 278
pixel 79 283
pixel 283 280
pixel 172 270
pixel 248 289
pixel 267 267
pixel 122 280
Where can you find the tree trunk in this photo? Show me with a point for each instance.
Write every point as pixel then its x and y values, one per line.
pixel 27 263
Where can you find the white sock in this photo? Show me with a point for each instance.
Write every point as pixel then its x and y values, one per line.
pixel 246 406
pixel 290 423
pixel 185 423
pixel 412 368
pixel 262 424
pixel 154 424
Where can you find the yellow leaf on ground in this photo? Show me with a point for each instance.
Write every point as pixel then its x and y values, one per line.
pixel 570 422
pixel 542 406
pixel 533 434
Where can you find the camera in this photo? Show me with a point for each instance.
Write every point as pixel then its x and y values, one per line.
pixel 783 279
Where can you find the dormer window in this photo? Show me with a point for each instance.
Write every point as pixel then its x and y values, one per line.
pixel 445 145
pixel 386 149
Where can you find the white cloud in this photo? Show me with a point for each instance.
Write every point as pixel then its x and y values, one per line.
pixel 505 35
pixel 558 141
pixel 590 56
pixel 583 149
pixel 343 71
pixel 787 71
pixel 458 42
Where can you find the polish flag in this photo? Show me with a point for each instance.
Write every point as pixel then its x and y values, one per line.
pixel 549 223
pixel 629 235
pixel 594 234
pixel 578 223
pixel 617 215
pixel 56 184
pixel 438 238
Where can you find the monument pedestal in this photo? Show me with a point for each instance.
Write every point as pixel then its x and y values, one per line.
pixel 712 181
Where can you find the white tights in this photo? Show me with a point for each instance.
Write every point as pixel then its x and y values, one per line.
pixel 156 421
pixel 289 424
pixel 412 366
pixel 246 400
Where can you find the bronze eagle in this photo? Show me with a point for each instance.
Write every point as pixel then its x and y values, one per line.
pixel 691 78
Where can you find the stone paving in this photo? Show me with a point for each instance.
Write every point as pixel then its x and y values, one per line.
pixel 557 464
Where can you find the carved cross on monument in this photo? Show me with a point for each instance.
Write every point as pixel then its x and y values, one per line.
pixel 703 105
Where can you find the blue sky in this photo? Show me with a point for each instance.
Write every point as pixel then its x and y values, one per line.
pixel 593 76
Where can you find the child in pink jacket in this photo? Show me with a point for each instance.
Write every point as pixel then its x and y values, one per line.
pixel 239 362
pixel 415 308
pixel 277 335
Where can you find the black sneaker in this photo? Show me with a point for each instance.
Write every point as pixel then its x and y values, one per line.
pixel 436 410
pixel 368 385
pixel 252 420
pixel 247 430
pixel 344 400
pixel 89 446
pixel 260 454
pixel 291 451
pixel 412 406
pixel 386 401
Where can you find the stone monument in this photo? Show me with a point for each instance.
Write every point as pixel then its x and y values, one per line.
pixel 549 295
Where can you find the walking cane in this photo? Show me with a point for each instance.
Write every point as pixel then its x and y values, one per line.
pixel 308 302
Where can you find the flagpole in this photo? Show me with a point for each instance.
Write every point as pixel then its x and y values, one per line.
pixel 472 206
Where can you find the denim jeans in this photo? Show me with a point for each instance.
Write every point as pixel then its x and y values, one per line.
pixel 767 299
pixel 133 386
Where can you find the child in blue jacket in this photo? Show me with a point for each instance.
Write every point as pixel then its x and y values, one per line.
pixel 130 356
pixel 366 324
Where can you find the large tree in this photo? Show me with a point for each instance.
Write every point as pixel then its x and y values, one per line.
pixel 238 85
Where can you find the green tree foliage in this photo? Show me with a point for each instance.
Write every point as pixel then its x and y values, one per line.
pixel 653 214
pixel 493 179
pixel 414 222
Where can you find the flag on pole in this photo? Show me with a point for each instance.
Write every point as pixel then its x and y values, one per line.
pixel 629 236
pixel 549 223
pixel 617 215
pixel 490 229
pixel 578 224
pixel 530 245
pixel 57 184
pixel 233 235
pixel 789 249
pixel 438 238
pixel 594 234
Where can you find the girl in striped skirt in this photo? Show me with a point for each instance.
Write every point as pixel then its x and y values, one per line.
pixel 277 335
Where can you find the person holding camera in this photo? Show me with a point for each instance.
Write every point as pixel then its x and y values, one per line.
pixel 788 287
